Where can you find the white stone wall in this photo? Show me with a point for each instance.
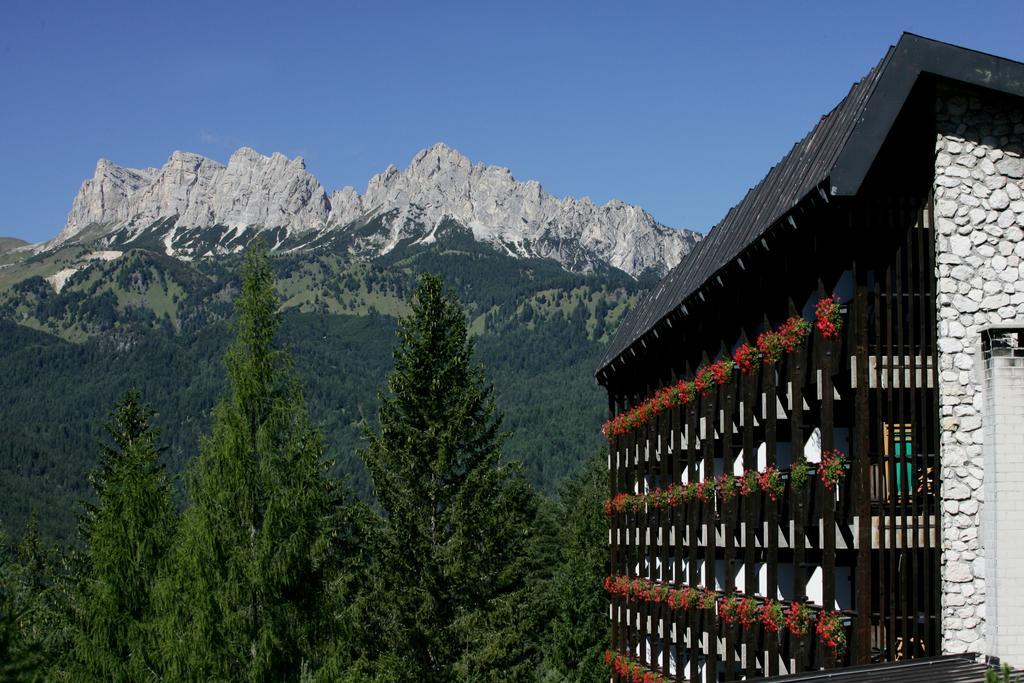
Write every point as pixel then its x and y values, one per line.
pixel 979 209
pixel 1002 365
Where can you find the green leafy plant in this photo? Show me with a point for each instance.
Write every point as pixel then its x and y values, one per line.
pixel 727 487
pixel 1003 675
pixel 749 483
pixel 771 483
pixel 799 473
pixel 772 616
pixel 728 608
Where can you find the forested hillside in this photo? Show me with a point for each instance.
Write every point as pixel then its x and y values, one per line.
pixel 160 324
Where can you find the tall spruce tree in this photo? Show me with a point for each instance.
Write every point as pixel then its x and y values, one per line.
pixel 451 562
pixel 127 534
pixel 579 626
pixel 35 590
pixel 244 597
pixel 22 657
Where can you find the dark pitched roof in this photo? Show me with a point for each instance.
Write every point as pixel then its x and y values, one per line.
pixel 950 668
pixel 833 159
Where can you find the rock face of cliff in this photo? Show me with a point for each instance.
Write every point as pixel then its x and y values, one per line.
pixel 198 207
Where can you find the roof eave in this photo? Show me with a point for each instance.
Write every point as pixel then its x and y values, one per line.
pixel 912 57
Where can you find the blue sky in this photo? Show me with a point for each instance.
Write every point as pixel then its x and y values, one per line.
pixel 677 106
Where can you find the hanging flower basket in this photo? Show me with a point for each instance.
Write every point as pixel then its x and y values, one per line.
pixel 728 608
pixel 770 345
pixel 707 599
pixel 831 632
pixel 793 332
pixel 771 483
pixel 721 370
pixel 727 487
pixel 828 317
pixel 748 611
pixel 832 468
pixel 747 358
pixel 799 473
pixel 798 619
pixel 706 490
pixel 772 616
pixel 749 483
pixel 630 670
pixel 705 380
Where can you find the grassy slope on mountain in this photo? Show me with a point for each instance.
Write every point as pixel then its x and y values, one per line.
pixel 150 321
pixel 8 243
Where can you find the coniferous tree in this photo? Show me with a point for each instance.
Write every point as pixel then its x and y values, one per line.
pixel 34 607
pixel 127 533
pixel 452 564
pixel 243 599
pixel 579 627
pixel 20 658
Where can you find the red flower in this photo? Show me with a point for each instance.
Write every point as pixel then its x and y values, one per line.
pixel 831 632
pixel 770 345
pixel 747 611
pixel 832 468
pixel 772 616
pixel 747 358
pixel 704 380
pixel 749 482
pixel 728 607
pixel 798 618
pixel 721 370
pixel 828 318
pixel 771 483
pixel 793 332
pixel 706 490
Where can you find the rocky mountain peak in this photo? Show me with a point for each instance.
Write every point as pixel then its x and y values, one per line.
pixel 257 191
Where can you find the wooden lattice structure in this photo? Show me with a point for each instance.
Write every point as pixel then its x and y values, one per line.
pixel 868 548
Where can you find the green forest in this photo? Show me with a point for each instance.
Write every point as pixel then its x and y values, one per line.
pixel 272 559
pixel 162 325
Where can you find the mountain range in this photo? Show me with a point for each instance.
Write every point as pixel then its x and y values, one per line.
pixel 180 202
pixel 137 289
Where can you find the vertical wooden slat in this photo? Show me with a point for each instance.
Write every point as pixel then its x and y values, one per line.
pixel 901 419
pixel 692 417
pixel 748 388
pixel 931 430
pixel 795 362
pixel 862 471
pixel 633 533
pixel 678 521
pixel 880 554
pixel 643 544
pixel 708 404
pixel 891 553
pixel 728 518
pixel 828 522
pixel 911 535
pixel 770 405
pixel 613 545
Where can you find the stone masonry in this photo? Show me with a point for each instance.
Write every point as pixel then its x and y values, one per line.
pixel 979 216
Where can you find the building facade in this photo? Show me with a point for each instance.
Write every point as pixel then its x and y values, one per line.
pixel 816 420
